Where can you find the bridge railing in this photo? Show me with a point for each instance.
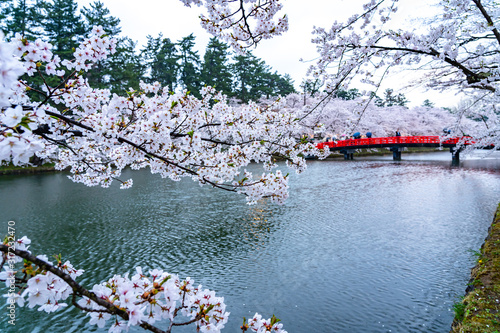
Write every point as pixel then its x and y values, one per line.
pixel 391 140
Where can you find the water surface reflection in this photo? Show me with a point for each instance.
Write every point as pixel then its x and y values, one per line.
pixel 368 245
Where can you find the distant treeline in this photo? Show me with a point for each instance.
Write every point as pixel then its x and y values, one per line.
pixel 173 64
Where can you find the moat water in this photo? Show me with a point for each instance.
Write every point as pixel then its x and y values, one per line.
pixel 369 245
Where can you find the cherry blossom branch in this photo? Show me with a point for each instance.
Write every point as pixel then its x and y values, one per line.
pixel 488 18
pixel 52 91
pixel 230 188
pixel 230 20
pixel 124 140
pixel 75 286
pixel 372 96
pixel 471 76
pixel 80 291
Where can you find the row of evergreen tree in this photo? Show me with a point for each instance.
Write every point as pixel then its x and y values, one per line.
pixel 174 64
pixel 312 87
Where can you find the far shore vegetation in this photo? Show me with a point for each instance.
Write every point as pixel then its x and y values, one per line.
pixel 11 169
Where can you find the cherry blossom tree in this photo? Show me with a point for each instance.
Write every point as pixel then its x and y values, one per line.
pixel 144 299
pixel 96 134
pixel 242 23
pixel 459 49
pixel 342 118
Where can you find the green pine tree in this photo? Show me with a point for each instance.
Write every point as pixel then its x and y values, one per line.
pixel 347 94
pixel 20 16
pixel 311 87
pixel 284 85
pixel 390 99
pixel 126 67
pixel 275 84
pixel 189 65
pixel 428 104
pixel 98 15
pixel 263 80
pixel 62 26
pixel 215 71
pixel 249 77
pixel 162 58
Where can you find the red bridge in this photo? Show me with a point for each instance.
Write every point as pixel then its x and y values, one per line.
pixel 396 143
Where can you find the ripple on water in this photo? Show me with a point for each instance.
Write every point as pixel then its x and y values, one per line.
pixel 371 246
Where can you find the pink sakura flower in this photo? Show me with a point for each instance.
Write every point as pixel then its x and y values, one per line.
pixel 22 244
pixel 99 318
pixel 15 298
pixel 117 327
pixel 37 297
pixel 38 281
pixel 12 116
pixel 136 316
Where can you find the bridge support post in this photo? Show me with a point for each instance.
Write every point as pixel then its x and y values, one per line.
pixel 396 153
pixel 455 156
pixel 348 154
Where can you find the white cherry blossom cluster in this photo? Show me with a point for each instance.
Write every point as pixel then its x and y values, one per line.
pixel 37 53
pixel 44 289
pixel 97 47
pixel 259 325
pixel 48 291
pixel 175 135
pixel 242 23
pixel 17 140
pixel 144 299
pixel 154 297
pixel 11 69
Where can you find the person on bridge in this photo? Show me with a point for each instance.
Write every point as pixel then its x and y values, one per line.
pixel 368 135
pixel 398 133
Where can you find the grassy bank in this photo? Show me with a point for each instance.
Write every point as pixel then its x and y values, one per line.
pixel 17 170
pixel 479 311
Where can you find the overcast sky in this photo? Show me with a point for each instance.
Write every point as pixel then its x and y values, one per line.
pixel 282 53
